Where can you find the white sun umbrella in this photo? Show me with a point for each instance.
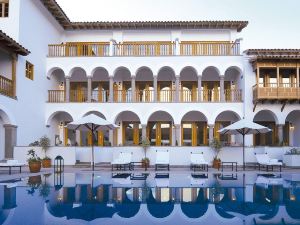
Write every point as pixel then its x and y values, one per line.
pixel 91 123
pixel 244 127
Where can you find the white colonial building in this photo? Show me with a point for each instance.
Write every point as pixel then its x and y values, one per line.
pixel 176 83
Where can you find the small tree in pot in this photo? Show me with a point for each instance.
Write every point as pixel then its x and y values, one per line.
pixel 145 144
pixel 45 144
pixel 34 162
pixel 216 145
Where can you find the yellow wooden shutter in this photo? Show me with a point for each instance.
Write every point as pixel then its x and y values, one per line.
pixel 66 136
pixel 194 93
pixel 90 138
pixel 100 99
pixel 158 133
pixel 100 138
pixel 194 134
pixel 135 133
pixel 205 141
pixel 116 92
pixel 205 91
pixel 216 92
pixel 158 92
pixel 216 133
pixel 123 132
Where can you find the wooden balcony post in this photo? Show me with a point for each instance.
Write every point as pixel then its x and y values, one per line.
pixel 257 76
pixel 111 89
pixel 278 76
pixel 67 89
pixel 13 76
pixel 89 89
pixel 199 87
pixel 155 87
pixel 222 93
pixel 133 94
pixel 177 88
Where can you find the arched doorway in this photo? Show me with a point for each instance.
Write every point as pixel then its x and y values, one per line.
pixel 122 85
pixel 224 119
pixel 130 127
pixel 210 85
pixel 100 85
pixel 166 85
pixel 268 119
pixel 188 85
pixel 194 130
pixel 291 129
pixel 62 135
pixel 78 85
pixel 144 85
pixel 159 129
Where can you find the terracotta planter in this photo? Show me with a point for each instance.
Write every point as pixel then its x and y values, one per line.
pixel 46 163
pixel 216 164
pixel 34 167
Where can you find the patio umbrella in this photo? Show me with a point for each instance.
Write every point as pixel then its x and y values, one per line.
pixel 244 127
pixel 91 123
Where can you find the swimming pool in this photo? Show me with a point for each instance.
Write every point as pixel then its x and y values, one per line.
pixel 155 198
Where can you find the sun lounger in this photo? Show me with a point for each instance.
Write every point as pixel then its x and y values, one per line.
pixel 162 160
pixel 12 163
pixel 198 161
pixel 122 161
pixel 265 160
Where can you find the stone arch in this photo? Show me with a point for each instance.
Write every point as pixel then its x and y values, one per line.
pixel 97 113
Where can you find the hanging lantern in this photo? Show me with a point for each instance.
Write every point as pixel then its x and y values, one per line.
pixel 58 164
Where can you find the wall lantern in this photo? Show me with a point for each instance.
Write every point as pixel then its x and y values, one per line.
pixel 292 126
pixel 61 125
pixel 59 164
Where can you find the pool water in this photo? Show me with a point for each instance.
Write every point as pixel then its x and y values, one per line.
pixel 155 198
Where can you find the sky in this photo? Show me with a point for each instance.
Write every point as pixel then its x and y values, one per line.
pixel 272 23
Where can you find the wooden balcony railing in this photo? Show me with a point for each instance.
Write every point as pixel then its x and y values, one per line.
pixel 210 95
pixel 78 96
pixel 122 96
pixel 188 96
pixel 6 86
pixel 144 96
pixel 166 96
pixel 274 91
pixel 56 96
pixel 209 48
pixel 100 96
pixel 144 49
pixel 233 95
pixel 79 49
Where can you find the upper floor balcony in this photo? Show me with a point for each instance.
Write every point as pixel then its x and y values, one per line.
pixel 145 87
pixel 277 82
pixel 7 86
pixel 146 48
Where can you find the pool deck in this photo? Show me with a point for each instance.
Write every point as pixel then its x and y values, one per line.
pixel 107 169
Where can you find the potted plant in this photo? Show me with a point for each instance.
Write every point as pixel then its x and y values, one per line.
pixel 45 144
pixel 145 144
pixel 216 146
pixel 34 162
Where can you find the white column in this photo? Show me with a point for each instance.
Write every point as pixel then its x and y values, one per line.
pixel 280 133
pixel 199 87
pixel 67 89
pixel 10 134
pixel 177 47
pixel 177 88
pixel 89 89
pixel 133 94
pixel 111 47
pixel 144 131
pixel 155 88
pixel 210 133
pixel 111 137
pixel 222 94
pixel 111 89
pixel 178 134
